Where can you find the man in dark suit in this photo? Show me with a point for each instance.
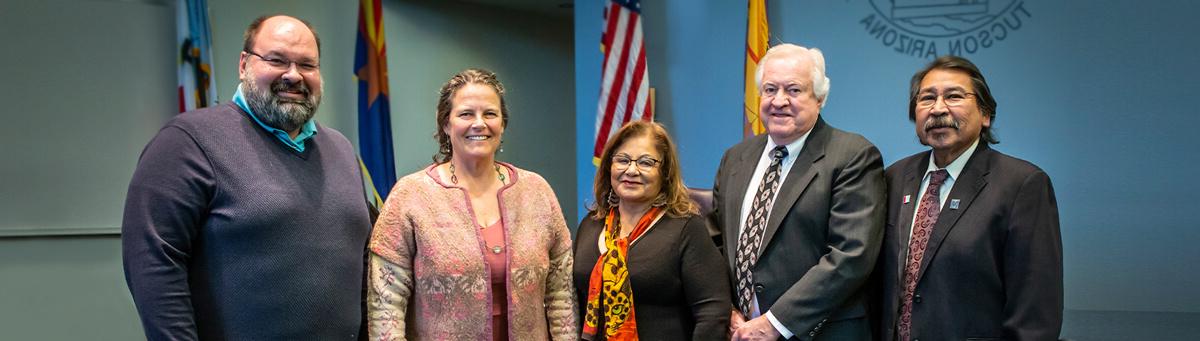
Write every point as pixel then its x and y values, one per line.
pixel 972 248
pixel 801 211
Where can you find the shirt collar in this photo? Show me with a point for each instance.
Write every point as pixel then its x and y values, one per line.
pixel 955 167
pixel 306 131
pixel 792 148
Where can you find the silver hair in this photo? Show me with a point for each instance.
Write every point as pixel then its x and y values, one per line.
pixel 820 82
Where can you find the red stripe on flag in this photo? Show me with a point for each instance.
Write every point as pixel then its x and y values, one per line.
pixel 623 95
pixel 619 79
pixel 753 56
pixel 635 84
pixel 615 88
pixel 611 16
pixel 647 113
pixel 647 107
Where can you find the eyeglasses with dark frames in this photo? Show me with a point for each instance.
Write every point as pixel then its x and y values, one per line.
pixel 952 98
pixel 282 64
pixel 622 162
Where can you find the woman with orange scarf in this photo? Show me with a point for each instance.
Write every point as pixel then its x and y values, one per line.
pixel 645 266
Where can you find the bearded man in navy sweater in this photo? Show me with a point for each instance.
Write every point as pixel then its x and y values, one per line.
pixel 248 220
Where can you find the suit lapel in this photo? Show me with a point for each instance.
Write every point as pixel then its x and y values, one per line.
pixel 740 174
pixel 802 173
pixel 911 187
pixel 968 185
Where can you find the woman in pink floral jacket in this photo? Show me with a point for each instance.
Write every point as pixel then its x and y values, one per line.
pixel 471 248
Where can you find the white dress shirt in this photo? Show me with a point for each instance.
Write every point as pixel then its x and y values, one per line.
pixel 764 162
pixel 954 168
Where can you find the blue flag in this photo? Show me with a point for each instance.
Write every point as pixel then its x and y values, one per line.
pixel 374 110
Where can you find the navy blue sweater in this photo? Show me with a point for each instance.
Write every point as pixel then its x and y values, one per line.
pixel 229 234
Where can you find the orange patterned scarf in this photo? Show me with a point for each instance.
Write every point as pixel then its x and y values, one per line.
pixel 610 296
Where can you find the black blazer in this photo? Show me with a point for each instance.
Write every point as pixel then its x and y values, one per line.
pixel 993 266
pixel 822 237
pixel 680 288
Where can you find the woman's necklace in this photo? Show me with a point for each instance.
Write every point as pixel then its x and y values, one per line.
pixel 499 174
pixel 496 249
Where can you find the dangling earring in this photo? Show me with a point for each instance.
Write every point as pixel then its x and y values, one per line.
pixel 613 200
pixel 501 146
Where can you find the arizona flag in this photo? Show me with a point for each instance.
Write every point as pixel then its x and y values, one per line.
pixel 374 109
pixel 196 86
pixel 757 32
pixel 625 90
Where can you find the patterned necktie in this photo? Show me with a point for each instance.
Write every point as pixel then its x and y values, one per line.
pixel 927 215
pixel 756 223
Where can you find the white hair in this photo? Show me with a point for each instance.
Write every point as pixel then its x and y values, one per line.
pixel 820 82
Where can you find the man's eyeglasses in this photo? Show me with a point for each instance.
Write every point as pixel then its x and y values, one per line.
pixel 772 90
pixel 951 98
pixel 283 64
pixel 622 162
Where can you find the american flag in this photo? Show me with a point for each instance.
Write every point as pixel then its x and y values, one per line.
pixel 625 87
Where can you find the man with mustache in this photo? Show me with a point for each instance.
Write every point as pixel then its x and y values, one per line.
pixel 972 248
pixel 801 211
pixel 247 220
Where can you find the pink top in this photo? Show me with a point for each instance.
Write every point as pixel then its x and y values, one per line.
pixel 494 253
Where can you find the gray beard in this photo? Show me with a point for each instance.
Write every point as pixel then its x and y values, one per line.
pixel 278 112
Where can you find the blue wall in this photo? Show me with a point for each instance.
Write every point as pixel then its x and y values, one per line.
pixel 1094 92
pixel 698 46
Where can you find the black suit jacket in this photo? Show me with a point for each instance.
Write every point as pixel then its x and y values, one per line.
pixel 822 237
pixel 993 266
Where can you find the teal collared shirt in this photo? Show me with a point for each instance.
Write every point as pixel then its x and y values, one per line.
pixel 306 131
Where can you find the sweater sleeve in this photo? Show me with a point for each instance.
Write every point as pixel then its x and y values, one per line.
pixel 387 299
pixel 561 311
pixel 390 270
pixel 167 202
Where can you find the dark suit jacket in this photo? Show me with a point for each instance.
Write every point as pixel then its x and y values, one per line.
pixel 993 266
pixel 822 237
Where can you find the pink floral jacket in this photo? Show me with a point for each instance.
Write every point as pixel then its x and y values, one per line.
pixel 428 276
